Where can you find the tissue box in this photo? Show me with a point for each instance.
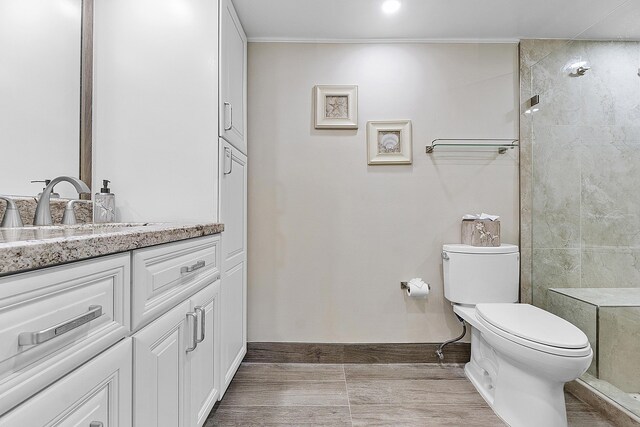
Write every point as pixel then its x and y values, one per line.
pixel 480 232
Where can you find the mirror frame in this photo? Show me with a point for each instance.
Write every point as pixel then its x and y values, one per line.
pixel 86 95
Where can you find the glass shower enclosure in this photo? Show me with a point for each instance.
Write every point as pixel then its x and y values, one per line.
pixel 581 216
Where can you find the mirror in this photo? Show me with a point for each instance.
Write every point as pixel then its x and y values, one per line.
pixel 44 111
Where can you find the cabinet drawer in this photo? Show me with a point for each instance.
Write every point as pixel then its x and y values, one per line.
pixel 54 319
pixel 98 393
pixel 165 275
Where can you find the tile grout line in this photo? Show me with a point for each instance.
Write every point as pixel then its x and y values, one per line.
pixel 346 387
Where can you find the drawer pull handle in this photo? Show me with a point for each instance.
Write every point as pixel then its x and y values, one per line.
pixel 96 424
pixel 190 269
pixel 33 338
pixel 194 336
pixel 200 310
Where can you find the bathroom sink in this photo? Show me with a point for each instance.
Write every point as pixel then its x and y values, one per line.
pixel 89 224
pixel 56 231
pixel 112 225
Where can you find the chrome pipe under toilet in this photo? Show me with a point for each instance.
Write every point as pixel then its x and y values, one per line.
pixel 440 350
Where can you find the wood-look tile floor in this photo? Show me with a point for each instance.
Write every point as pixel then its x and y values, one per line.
pixel 267 394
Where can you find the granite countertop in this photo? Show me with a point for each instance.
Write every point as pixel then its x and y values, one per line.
pixel 28 248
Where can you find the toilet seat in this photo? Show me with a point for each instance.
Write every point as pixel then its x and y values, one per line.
pixel 535 328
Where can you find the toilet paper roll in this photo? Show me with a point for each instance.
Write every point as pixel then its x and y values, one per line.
pixel 417 288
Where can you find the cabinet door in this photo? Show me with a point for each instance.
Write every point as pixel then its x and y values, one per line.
pixel 233 205
pixel 158 369
pixel 233 322
pixel 98 393
pixel 233 286
pixel 233 54
pixel 203 363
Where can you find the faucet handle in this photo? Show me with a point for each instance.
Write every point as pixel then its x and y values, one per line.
pixel 69 216
pixel 11 214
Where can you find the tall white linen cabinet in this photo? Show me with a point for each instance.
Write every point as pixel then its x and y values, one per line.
pixel 170 97
pixel 232 128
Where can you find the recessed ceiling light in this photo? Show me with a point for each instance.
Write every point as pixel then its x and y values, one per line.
pixel 391 6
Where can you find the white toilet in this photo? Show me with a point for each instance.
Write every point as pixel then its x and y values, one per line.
pixel 521 355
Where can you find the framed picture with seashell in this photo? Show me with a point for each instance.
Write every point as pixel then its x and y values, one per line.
pixel 336 106
pixel 389 142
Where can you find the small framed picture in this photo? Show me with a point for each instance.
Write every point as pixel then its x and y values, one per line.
pixel 336 106
pixel 389 142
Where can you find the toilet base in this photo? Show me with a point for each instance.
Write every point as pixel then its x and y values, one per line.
pixel 521 395
pixel 482 370
pixel 519 399
pixel 479 381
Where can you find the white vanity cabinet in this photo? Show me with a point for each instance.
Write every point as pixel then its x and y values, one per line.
pixel 232 80
pixel 131 339
pixel 233 288
pixel 97 394
pixel 175 381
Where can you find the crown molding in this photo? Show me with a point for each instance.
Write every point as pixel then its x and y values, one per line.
pixel 379 41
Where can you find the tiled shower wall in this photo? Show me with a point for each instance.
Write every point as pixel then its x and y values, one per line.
pixel 580 193
pixel 580 167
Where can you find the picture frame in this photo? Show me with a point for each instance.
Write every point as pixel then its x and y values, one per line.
pixel 336 106
pixel 389 142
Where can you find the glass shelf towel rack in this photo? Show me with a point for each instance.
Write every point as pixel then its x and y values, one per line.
pixel 502 144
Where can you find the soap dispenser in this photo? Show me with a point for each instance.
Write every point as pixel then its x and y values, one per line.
pixel 104 204
pixel 54 195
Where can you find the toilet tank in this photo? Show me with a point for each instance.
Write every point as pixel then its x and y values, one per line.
pixel 474 275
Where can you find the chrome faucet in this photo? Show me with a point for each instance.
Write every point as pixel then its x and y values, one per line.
pixel 11 214
pixel 43 210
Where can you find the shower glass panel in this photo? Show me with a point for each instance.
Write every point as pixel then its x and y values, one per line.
pixel 585 201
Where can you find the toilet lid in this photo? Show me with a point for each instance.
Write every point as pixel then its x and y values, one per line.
pixel 533 324
pixel 504 248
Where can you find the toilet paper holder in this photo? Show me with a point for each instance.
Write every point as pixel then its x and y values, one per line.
pixel 405 285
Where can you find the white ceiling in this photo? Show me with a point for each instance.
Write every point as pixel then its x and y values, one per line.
pixel 466 20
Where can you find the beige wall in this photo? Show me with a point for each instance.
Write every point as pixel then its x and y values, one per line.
pixel 330 238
